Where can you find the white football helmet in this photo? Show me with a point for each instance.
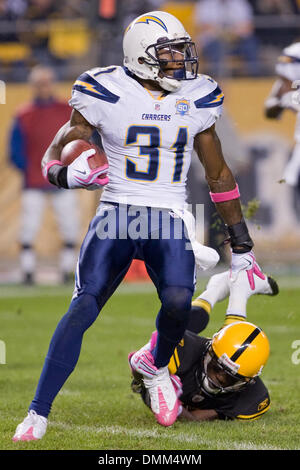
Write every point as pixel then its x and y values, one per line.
pixel 150 33
pixel 288 63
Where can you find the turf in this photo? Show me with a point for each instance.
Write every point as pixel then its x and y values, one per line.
pixel 96 409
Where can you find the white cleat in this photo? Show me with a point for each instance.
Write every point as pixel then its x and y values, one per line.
pixel 164 402
pixel 270 287
pixel 241 290
pixel 220 285
pixel 263 284
pixel 32 428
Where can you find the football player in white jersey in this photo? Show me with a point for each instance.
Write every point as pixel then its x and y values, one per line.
pixel 284 95
pixel 150 114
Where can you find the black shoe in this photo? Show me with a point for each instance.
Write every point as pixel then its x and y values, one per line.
pixel 274 286
pixel 28 279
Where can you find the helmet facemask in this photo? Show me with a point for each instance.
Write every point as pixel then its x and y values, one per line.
pixel 167 75
pixel 218 378
pixel 182 46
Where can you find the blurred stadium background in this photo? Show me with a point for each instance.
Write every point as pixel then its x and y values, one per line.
pixel 74 35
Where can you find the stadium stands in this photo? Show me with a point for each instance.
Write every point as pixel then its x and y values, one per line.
pixel 60 33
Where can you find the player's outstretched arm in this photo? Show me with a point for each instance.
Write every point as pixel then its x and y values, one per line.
pixel 68 177
pixel 218 175
pixel 224 193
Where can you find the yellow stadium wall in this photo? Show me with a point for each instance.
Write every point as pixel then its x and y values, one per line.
pixel 244 103
pixel 184 12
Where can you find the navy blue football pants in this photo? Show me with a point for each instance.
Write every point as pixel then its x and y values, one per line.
pixel 117 235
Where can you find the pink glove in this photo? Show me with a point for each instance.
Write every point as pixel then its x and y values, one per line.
pixel 80 175
pixel 247 262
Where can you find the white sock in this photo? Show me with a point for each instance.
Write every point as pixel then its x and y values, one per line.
pixel 217 289
pixel 27 260
pixel 237 306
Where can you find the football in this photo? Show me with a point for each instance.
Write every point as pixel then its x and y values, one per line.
pixel 73 149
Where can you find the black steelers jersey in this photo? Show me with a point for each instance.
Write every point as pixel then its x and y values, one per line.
pixel 187 362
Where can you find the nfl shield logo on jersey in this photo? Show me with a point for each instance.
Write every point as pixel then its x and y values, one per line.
pixel 182 106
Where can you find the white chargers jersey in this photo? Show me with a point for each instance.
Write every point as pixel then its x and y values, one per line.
pixel 148 140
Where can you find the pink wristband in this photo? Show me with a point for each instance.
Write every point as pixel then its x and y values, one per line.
pixel 48 166
pixel 226 196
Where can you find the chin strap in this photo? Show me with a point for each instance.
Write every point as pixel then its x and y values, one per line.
pixel 169 84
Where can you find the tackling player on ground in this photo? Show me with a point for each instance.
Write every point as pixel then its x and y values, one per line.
pixel 150 114
pixel 217 378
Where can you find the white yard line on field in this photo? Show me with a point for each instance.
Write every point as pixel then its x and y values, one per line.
pixel 169 435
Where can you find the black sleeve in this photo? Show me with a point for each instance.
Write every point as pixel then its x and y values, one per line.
pixel 189 352
pixel 199 319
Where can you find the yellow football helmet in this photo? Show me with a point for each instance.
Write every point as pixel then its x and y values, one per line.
pixel 236 355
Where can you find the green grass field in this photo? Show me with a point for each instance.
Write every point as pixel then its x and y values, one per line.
pixel 96 409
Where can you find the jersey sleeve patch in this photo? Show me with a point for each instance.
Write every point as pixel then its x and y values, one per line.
pixel 213 99
pixel 262 408
pixel 89 86
pixel 256 410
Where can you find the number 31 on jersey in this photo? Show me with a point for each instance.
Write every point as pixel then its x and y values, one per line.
pixel 153 152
